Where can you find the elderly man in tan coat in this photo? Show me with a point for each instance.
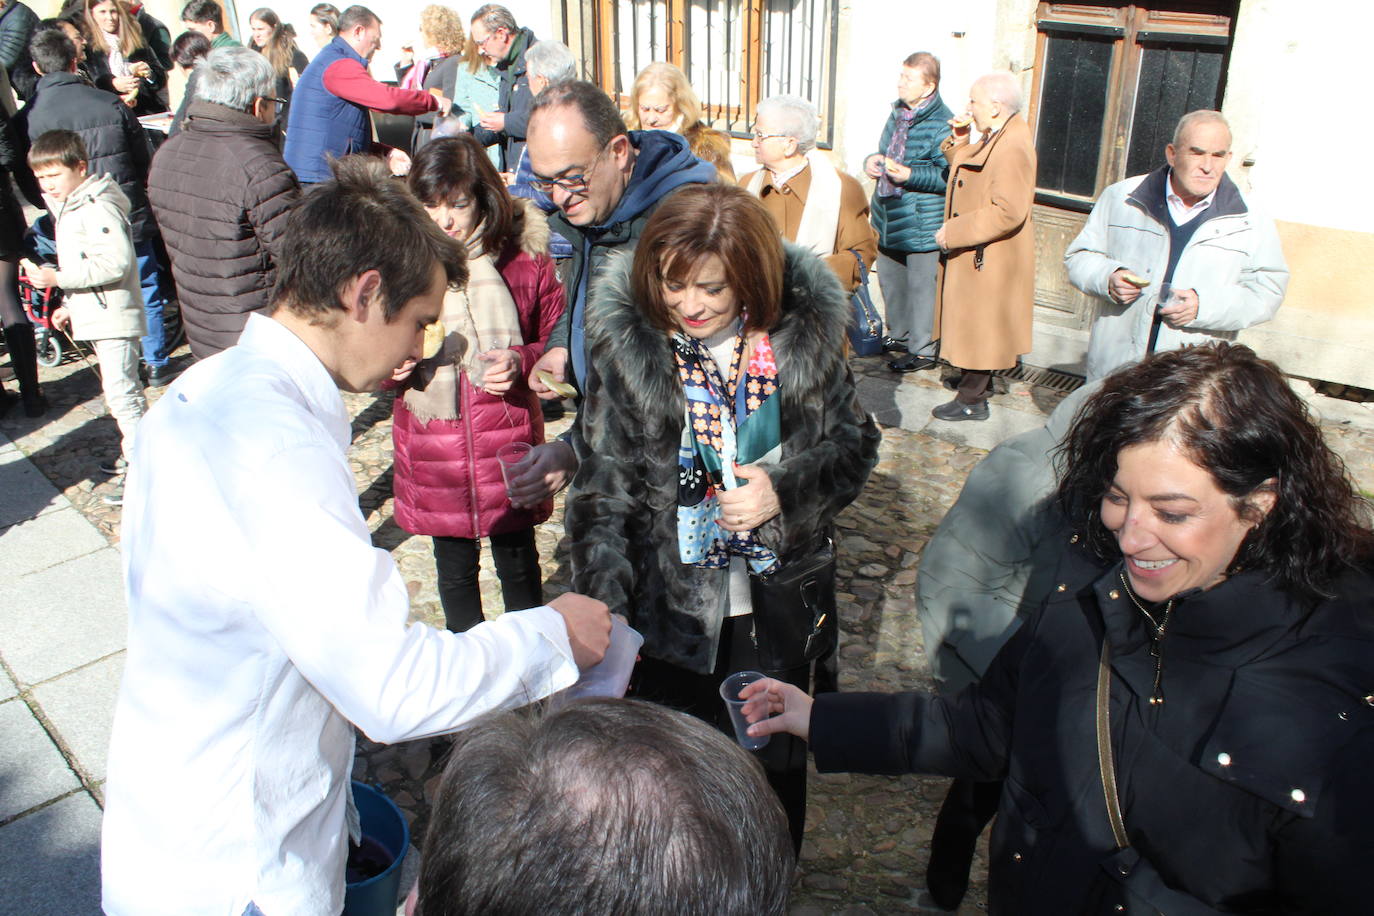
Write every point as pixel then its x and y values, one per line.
pixel 987 270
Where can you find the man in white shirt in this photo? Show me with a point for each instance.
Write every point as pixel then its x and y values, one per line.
pixel 263 624
pixel 1177 256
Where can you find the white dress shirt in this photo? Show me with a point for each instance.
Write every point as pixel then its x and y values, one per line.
pixel 263 624
pixel 1180 212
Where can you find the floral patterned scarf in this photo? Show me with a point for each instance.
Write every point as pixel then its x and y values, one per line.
pixel 728 422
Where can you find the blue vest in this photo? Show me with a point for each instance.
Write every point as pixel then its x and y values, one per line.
pixel 320 123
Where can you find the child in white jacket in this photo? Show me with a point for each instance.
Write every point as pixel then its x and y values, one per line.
pixel 97 272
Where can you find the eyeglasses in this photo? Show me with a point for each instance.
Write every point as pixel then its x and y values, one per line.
pixel 482 43
pixel 571 184
pixel 759 138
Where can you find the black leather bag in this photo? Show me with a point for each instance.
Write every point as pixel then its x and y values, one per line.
pixel 866 325
pixel 795 621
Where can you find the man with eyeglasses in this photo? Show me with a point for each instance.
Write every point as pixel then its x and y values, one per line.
pixel 502 44
pixel 606 182
pixel 223 169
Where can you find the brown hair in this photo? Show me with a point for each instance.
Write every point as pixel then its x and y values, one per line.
pixel 703 220
pixel 927 63
pixel 281 46
pixel 57 147
pixel 443 169
pixel 130 35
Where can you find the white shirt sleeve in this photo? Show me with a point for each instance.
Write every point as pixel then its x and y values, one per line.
pixel 338 608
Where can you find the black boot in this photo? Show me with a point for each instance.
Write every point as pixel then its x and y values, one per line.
pixel 967 809
pixel 24 360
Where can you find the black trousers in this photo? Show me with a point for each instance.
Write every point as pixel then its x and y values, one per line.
pixel 517 566
pixel 784 757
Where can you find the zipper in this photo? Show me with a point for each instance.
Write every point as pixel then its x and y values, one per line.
pixel 464 415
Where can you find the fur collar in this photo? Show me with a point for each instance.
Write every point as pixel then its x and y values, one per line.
pixel 534 230
pixel 808 340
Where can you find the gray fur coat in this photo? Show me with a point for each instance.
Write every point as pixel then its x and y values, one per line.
pixel 622 508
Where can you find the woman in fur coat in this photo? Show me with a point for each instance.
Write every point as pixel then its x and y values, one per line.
pixel 720 436
pixel 470 398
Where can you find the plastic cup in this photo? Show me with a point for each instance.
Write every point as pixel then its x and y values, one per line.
pixel 510 456
pixel 729 692
pixel 611 676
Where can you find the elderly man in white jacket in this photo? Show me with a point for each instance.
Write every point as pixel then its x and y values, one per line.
pixel 1178 254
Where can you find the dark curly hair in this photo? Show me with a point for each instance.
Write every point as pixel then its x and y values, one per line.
pixel 1239 420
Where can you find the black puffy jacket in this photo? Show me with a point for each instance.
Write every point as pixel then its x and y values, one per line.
pixel 1246 791
pixel 115 142
pixel 222 194
pixel 17 23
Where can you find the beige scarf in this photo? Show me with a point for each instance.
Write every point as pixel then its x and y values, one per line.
pixel 820 220
pixel 477 318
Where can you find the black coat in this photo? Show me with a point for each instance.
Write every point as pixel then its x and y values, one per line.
pixel 17 23
pixel 622 508
pixel 1246 791
pixel 152 93
pixel 222 194
pixel 515 99
pixel 115 141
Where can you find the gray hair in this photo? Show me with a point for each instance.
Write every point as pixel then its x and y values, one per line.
pixel 494 16
pixel 1193 118
pixel 551 60
pixel 234 77
pixel 1003 88
pixel 796 117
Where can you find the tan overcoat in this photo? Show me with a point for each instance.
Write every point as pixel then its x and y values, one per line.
pixel 987 275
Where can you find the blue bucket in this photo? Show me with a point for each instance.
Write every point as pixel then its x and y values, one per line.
pixel 384 826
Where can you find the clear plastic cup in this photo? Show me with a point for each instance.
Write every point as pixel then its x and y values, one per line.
pixel 729 692
pixel 510 456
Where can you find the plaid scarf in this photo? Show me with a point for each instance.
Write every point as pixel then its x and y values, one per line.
pixel 896 145
pixel 727 423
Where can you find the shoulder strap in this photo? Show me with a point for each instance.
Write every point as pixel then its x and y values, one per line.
pixel 1104 746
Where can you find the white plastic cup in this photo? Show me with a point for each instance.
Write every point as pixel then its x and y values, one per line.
pixel 611 676
pixel 510 456
pixel 729 692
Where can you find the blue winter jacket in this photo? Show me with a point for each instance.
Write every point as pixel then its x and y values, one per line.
pixel 908 222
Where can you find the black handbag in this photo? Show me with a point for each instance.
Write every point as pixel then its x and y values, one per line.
pixel 795 620
pixel 866 325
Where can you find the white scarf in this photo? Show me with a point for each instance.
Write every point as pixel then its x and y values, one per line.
pixel 820 220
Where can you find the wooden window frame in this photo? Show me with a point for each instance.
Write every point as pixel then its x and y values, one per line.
pixel 1130 24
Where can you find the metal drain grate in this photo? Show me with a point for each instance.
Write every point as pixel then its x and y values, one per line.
pixel 1045 378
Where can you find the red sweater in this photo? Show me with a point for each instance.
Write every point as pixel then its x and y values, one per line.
pixel 350 81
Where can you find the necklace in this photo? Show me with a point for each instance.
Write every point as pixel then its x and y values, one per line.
pixel 1157 633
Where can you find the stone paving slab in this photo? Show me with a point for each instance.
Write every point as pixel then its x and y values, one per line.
pixel 52 862
pixel 80 706
pixel 63 617
pixel 32 769
pixel 24 492
pixel 39 543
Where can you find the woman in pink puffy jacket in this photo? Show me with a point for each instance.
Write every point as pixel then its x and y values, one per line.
pixel 461 404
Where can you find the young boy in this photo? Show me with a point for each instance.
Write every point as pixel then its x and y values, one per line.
pixel 98 274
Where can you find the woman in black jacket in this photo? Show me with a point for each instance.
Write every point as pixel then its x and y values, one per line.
pixel 276 41
pixel 120 60
pixel 17 329
pixel 1186 726
pixel 720 436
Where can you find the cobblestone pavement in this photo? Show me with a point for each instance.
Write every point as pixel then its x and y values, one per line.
pixel 865 849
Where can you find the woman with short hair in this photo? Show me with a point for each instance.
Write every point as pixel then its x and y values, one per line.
pixel 812 202
pixel 720 436
pixel 1186 724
